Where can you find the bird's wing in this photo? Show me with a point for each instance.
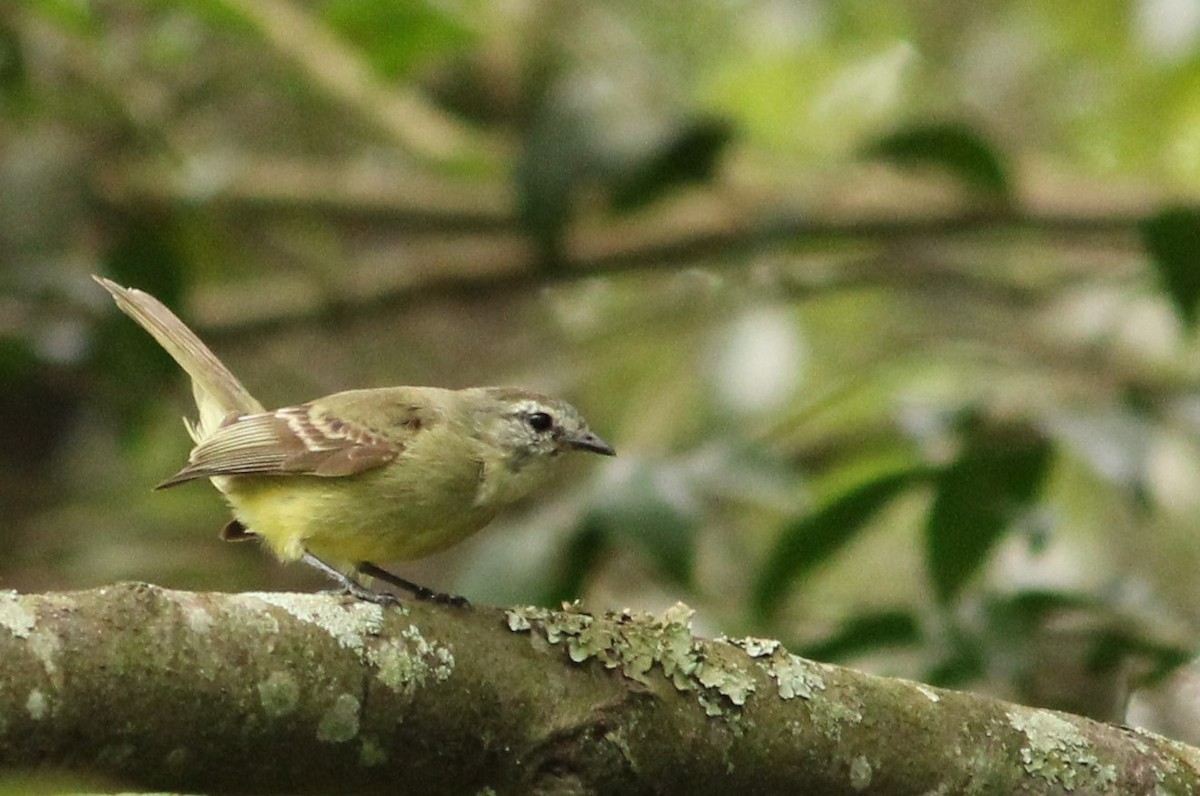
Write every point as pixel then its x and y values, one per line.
pixel 325 438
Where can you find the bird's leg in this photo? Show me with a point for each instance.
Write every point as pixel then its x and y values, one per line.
pixel 348 584
pixel 420 592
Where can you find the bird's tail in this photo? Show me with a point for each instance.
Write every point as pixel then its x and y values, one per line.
pixel 217 391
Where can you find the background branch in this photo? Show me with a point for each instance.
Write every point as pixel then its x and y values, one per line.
pixel 401 112
pixel 461 238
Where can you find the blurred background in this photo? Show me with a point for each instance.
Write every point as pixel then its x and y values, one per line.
pixel 889 308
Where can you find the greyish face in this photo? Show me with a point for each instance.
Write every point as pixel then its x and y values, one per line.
pixel 546 427
pixel 532 427
pixel 521 435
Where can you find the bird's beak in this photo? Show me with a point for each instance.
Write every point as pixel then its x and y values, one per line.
pixel 587 441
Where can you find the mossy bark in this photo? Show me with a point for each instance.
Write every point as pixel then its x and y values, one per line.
pixel 314 693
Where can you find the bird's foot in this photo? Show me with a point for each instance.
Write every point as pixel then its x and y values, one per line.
pixel 348 585
pixel 420 592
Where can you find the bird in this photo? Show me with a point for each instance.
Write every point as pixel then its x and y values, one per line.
pixel 347 482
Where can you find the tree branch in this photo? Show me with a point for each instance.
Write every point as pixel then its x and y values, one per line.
pixel 312 693
pixel 459 238
pixel 411 122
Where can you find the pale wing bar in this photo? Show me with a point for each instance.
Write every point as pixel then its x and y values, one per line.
pixel 298 440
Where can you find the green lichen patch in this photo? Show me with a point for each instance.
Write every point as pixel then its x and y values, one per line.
pixel 1058 752
pixel 521 618
pixel 14 616
pixel 1180 766
pixel 279 694
pixel 411 660
pixel 794 676
pixel 199 620
pixel 861 773
pixel 46 646
pixel 348 623
pixel 37 705
pixel 754 647
pixel 637 644
pixel 832 716
pixel 372 753
pixel 340 722
pixel 721 673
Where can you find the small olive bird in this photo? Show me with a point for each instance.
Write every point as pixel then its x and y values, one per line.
pixel 361 477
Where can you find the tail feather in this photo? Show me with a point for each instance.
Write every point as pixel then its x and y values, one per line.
pixel 217 391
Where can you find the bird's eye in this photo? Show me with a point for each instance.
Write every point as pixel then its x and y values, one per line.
pixel 540 421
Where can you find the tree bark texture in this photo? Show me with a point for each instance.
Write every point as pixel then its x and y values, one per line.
pixel 276 692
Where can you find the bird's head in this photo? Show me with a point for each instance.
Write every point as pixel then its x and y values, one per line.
pixel 528 427
pixel 522 435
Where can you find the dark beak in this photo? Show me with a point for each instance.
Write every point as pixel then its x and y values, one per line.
pixel 587 441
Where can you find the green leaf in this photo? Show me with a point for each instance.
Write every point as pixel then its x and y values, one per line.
pixel 995 478
pixel 75 16
pixel 38 404
pixel 1018 614
pixel 964 665
pixel 395 35
pixel 689 156
pixel 14 74
pixel 1172 239
pixel 954 148
pixel 1113 649
pixel 652 511
pixel 813 538
pixel 223 15
pixel 18 362
pixel 583 553
pixel 144 254
pixel 547 174
pixel 865 632
pixel 643 512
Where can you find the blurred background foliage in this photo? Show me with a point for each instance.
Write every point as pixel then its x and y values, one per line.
pixel 889 308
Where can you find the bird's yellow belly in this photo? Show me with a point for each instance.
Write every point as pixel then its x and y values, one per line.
pixel 333 519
